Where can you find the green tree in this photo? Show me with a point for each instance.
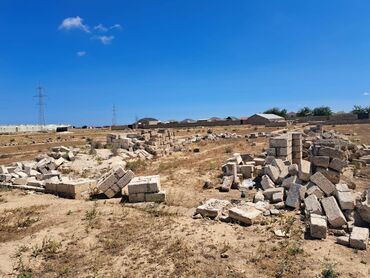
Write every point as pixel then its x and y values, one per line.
pixel 304 112
pixel 282 113
pixel 357 109
pixel 322 111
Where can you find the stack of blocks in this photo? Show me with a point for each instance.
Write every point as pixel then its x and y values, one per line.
pixel 281 147
pixel 296 148
pixel 114 181
pixel 145 189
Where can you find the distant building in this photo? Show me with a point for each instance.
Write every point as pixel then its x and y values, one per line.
pixel 231 118
pixel 214 119
pixel 291 115
pixel 187 121
pixel 262 119
pixel 147 122
pixel 33 128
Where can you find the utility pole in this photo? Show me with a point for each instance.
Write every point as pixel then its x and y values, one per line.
pixel 114 119
pixel 40 103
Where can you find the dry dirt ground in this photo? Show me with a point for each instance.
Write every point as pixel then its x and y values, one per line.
pixel 42 235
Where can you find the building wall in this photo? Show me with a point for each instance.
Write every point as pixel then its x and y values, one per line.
pixel 28 128
pixel 257 120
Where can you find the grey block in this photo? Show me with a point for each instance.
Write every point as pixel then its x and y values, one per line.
pixel 322 161
pixel 293 196
pixel 358 238
pixel 305 170
pixel 318 226
pixel 266 182
pixel 273 172
pixel 315 190
pixel 312 205
pixel 323 183
pixel 337 164
pixel 245 216
pixel 287 182
pixel 333 212
pixel 155 197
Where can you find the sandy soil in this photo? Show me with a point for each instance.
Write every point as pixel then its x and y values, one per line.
pixel 54 237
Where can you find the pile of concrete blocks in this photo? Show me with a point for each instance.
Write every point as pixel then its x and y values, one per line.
pixel 146 143
pixel 146 189
pixel 33 173
pixel 68 154
pixel 281 147
pixel 70 188
pixel 114 181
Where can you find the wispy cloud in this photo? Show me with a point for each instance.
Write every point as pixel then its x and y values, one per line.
pixel 365 93
pixel 70 23
pixel 81 53
pixel 105 39
pixel 116 26
pixel 100 28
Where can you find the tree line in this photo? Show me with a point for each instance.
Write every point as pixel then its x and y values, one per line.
pixel 317 111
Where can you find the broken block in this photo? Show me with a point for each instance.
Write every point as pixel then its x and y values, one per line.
pixel 333 212
pixel 266 182
pixel 358 238
pixel 312 205
pixel 318 226
pixel 293 196
pixel 323 183
pixel 273 172
pixel 245 216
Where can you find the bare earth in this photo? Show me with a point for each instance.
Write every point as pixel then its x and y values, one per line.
pixel 54 237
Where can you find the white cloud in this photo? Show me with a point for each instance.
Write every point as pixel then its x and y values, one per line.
pixel 81 53
pixel 116 26
pixel 366 93
pixel 105 39
pixel 70 23
pixel 100 28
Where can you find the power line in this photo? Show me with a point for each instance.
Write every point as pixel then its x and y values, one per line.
pixel 41 104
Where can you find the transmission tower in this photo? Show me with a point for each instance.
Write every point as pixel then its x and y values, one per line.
pixel 114 118
pixel 40 96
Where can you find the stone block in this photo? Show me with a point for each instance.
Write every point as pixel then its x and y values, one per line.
pixel 331 152
pixel 119 172
pixel 155 197
pixel 107 182
pixel 293 196
pixel 212 208
pixel 312 205
pixel 271 191
pixel 247 171
pixel 337 164
pixel 293 170
pixel 136 197
pixel 305 170
pixel 318 226
pixel 359 238
pixel 279 142
pixel 125 179
pixel 344 197
pixel 259 161
pixel 245 216
pixel 333 212
pixel 321 161
pixel 331 175
pixel 266 182
pixel 315 190
pixel 110 193
pixel 277 197
pixel 323 183
pixel 287 182
pixel 343 240
pixel 273 172
pixel 145 184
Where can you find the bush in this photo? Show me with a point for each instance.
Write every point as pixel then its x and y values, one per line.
pixel 282 113
pixel 322 111
pixel 304 112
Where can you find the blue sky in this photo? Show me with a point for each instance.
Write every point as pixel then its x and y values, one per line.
pixel 179 59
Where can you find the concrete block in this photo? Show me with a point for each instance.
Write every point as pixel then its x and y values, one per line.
pixel 322 161
pixel 247 171
pixel 245 216
pixel 107 182
pixel 344 197
pixel 331 152
pixel 273 172
pixel 333 212
pixel 212 208
pixel 293 196
pixel 293 170
pixel 155 197
pixel 271 191
pixel 278 142
pixel 145 184
pixel 266 182
pixel 136 197
pixel 287 182
pixel 305 170
pixel 125 179
pixel 312 205
pixel 337 164
pixel 110 193
pixel 119 172
pixel 315 190
pixel 359 238
pixel 277 197
pixel 343 240
pixel 323 183
pixel 318 226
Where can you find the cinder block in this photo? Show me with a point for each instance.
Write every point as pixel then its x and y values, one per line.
pixel 155 197
pixel 333 212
